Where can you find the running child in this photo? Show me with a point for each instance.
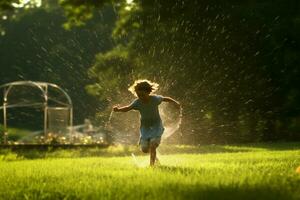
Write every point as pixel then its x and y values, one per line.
pixel 147 103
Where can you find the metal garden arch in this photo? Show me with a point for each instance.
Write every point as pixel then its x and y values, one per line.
pixel 43 87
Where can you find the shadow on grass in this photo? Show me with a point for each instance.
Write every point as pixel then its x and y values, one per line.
pixel 234 148
pixel 23 153
pixel 231 191
pixel 275 146
pixel 10 154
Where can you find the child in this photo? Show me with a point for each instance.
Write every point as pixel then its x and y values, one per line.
pixel 147 103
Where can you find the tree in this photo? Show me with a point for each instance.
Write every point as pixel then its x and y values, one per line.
pixel 36 47
pixel 234 65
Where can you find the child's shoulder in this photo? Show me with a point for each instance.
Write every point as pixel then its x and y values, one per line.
pixel 156 95
pixel 135 103
pixel 157 98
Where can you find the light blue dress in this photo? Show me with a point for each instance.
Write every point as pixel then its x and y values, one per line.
pixel 151 124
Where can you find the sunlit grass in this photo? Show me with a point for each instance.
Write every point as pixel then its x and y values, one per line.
pixel 186 172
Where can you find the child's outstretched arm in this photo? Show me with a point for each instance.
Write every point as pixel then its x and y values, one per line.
pixel 117 108
pixel 170 100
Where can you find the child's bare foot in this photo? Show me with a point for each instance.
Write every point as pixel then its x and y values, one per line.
pixel 155 163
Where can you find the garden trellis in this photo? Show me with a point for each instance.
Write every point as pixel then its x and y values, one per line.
pixel 52 99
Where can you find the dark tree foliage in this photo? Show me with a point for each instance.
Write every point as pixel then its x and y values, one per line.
pixel 36 47
pixel 234 65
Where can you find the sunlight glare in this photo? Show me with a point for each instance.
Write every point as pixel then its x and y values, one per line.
pixel 25 3
pixel 129 5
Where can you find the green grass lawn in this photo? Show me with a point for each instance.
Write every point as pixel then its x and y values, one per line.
pixel 261 171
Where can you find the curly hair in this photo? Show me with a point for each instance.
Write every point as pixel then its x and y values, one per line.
pixel 144 85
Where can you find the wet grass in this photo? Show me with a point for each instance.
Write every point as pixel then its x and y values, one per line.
pixel 257 171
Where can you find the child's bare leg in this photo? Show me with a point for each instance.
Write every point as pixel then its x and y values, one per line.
pixel 152 154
